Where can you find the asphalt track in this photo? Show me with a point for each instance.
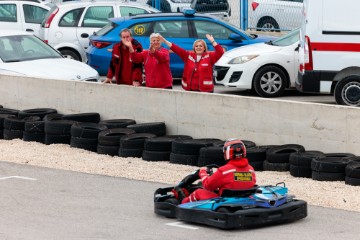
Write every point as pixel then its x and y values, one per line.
pixel 47 204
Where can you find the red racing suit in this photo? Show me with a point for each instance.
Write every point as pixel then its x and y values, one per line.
pixel 157 67
pixel 198 75
pixel 236 174
pixel 121 66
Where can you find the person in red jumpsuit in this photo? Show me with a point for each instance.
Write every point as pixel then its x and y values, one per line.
pixel 124 70
pixel 198 69
pixel 156 63
pixel 236 174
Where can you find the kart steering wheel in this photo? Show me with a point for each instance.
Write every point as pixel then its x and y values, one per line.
pixel 209 168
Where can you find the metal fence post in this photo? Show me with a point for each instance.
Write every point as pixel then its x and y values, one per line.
pixel 244 14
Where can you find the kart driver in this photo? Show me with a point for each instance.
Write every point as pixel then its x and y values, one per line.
pixel 236 174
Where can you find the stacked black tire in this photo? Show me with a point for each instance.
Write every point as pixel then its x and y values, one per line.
pixel 159 148
pixel 133 145
pixel 109 140
pixel 57 130
pixel 352 172
pixel 277 158
pixel 187 151
pixel 331 167
pixel 300 163
pixel 84 135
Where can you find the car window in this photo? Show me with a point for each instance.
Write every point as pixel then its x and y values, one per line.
pixel 34 14
pixel 127 11
pixel 8 13
pixel 71 18
pixel 22 48
pixel 218 31
pixel 97 16
pixel 288 39
pixel 172 29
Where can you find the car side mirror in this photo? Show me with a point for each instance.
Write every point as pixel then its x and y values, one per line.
pixel 235 37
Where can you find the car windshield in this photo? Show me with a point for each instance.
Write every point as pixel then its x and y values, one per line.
pixel 288 39
pixel 25 47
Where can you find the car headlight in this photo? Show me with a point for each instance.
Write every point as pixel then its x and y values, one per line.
pixel 242 59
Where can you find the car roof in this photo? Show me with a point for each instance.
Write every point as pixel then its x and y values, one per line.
pixel 5 33
pixel 166 15
pixel 94 3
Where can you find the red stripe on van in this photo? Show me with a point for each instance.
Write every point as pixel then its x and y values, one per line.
pixel 340 47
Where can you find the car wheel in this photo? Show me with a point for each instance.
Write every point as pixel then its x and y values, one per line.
pixel 70 54
pixel 268 24
pixel 347 91
pixel 269 82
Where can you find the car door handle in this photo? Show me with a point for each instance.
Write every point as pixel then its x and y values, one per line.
pixel 84 35
pixel 29 30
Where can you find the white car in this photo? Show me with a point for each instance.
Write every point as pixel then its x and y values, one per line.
pixel 68 25
pixel 268 68
pixel 271 15
pixel 23 54
pixel 22 15
pixel 171 5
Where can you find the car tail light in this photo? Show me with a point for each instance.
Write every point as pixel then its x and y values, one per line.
pixel 308 61
pixel 254 5
pixel 98 44
pixel 50 18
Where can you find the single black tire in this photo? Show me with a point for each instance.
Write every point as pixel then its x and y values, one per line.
pixel 108 150
pixel 12 134
pixel 281 154
pixel 57 139
pixel 2 117
pixel 86 130
pixel 300 171
pixel 117 123
pixel 353 169
pixel 111 137
pixel 135 141
pixel 326 176
pixel 70 54
pixel 256 154
pixel 304 158
pixel 270 82
pixel 347 91
pixel 163 143
pixel 258 166
pixel 91 117
pixel 12 122
pixel 155 156
pixel 279 167
pixel 34 127
pixel 192 146
pixel 125 152
pixel 157 128
pixel 41 112
pixel 34 137
pixel 211 155
pixel 89 144
pixel 58 127
pixel 53 116
pixel 9 111
pixel 183 159
pixel 352 181
pixel 330 164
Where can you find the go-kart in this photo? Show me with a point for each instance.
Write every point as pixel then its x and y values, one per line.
pixel 258 206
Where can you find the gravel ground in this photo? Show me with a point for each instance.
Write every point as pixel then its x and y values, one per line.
pixel 61 156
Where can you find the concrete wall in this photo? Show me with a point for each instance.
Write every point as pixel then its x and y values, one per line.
pixel 265 121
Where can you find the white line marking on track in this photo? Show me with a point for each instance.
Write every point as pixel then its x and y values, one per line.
pixel 19 177
pixel 181 225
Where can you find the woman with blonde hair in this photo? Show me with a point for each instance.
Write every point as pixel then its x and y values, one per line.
pixel 156 63
pixel 198 69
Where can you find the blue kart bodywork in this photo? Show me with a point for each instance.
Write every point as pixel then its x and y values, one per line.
pixel 258 206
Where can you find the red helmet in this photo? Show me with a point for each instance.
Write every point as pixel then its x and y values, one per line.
pixel 234 149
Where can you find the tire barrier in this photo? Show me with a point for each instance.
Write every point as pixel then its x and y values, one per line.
pixel 300 163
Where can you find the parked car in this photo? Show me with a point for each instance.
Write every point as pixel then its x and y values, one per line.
pixel 219 8
pixel 22 15
pixel 171 5
pixel 275 15
pixel 23 54
pixel 68 25
pixel 268 68
pixel 180 28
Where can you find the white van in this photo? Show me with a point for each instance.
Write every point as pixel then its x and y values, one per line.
pixel 330 50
